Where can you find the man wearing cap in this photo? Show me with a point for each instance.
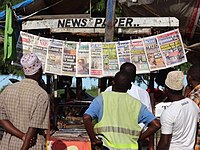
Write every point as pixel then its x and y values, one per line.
pixel 24 109
pixel 179 120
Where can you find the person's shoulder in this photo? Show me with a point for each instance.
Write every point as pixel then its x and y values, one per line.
pixel 139 88
pixel 108 89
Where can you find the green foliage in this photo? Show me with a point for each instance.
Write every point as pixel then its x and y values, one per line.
pixel 93 91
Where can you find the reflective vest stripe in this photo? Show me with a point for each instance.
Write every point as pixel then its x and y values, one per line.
pixel 117 130
pixel 119 146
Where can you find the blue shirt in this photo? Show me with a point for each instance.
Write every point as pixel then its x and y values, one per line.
pixel 95 110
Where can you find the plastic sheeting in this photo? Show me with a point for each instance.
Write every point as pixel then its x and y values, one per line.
pixel 20 5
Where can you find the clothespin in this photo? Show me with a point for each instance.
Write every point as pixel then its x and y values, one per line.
pixel 79 42
pixel 39 35
pixel 65 40
pixel 118 41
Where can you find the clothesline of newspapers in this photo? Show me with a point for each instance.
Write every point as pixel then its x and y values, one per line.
pixel 103 59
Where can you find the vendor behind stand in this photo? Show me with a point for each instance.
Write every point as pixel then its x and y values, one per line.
pixel 24 108
pixel 118 116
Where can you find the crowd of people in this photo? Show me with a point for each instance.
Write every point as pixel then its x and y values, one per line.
pixel 123 112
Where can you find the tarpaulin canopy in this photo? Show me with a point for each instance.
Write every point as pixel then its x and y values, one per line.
pixel 20 5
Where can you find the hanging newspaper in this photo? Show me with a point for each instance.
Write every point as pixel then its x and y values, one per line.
pixel 54 57
pixel 123 51
pixel 40 48
pixel 138 56
pixel 110 60
pixel 69 58
pixel 24 44
pixel 82 59
pixel 153 54
pixel 96 60
pixel 172 48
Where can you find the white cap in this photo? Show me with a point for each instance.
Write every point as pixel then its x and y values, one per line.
pixel 30 63
pixel 174 80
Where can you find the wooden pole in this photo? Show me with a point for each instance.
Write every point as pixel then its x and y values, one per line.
pixel 109 33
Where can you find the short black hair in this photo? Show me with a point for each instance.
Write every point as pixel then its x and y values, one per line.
pixel 194 72
pixel 129 68
pixel 122 81
pixel 174 91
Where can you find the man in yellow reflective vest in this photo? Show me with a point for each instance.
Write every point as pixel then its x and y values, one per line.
pixel 118 116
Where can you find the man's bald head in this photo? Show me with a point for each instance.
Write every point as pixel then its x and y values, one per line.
pixel 130 69
pixel 122 81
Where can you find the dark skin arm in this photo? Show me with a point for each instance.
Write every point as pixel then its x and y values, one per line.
pixel 10 128
pixel 87 119
pixel 30 138
pixel 188 89
pixel 164 142
pixel 152 128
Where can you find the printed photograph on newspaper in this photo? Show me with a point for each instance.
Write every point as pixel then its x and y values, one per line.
pixel 54 57
pixel 110 60
pixel 40 48
pixel 123 51
pixel 96 60
pixel 153 54
pixel 138 56
pixel 69 58
pixel 172 48
pixel 82 59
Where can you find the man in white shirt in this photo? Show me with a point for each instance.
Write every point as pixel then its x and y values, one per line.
pixel 135 91
pixel 179 120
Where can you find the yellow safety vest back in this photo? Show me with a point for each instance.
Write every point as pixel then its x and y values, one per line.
pixel 119 123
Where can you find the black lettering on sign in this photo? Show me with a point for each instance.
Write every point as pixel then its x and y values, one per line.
pixel 84 22
pixel 76 22
pixel 121 22
pixel 104 23
pixel 61 23
pixel 98 22
pixel 67 23
pixel 129 22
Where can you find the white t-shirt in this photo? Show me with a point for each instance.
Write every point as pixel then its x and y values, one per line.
pixel 180 119
pixel 138 93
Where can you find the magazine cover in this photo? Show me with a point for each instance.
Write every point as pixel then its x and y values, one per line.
pixel 110 60
pixel 172 48
pixel 69 58
pixel 138 57
pixel 82 59
pixel 153 54
pixel 96 60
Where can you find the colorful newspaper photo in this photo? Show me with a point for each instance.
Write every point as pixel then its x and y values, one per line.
pixel 153 54
pixel 82 59
pixel 96 60
pixel 172 48
pixel 69 58
pixel 123 51
pixel 138 57
pixel 40 48
pixel 54 57
pixel 110 60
